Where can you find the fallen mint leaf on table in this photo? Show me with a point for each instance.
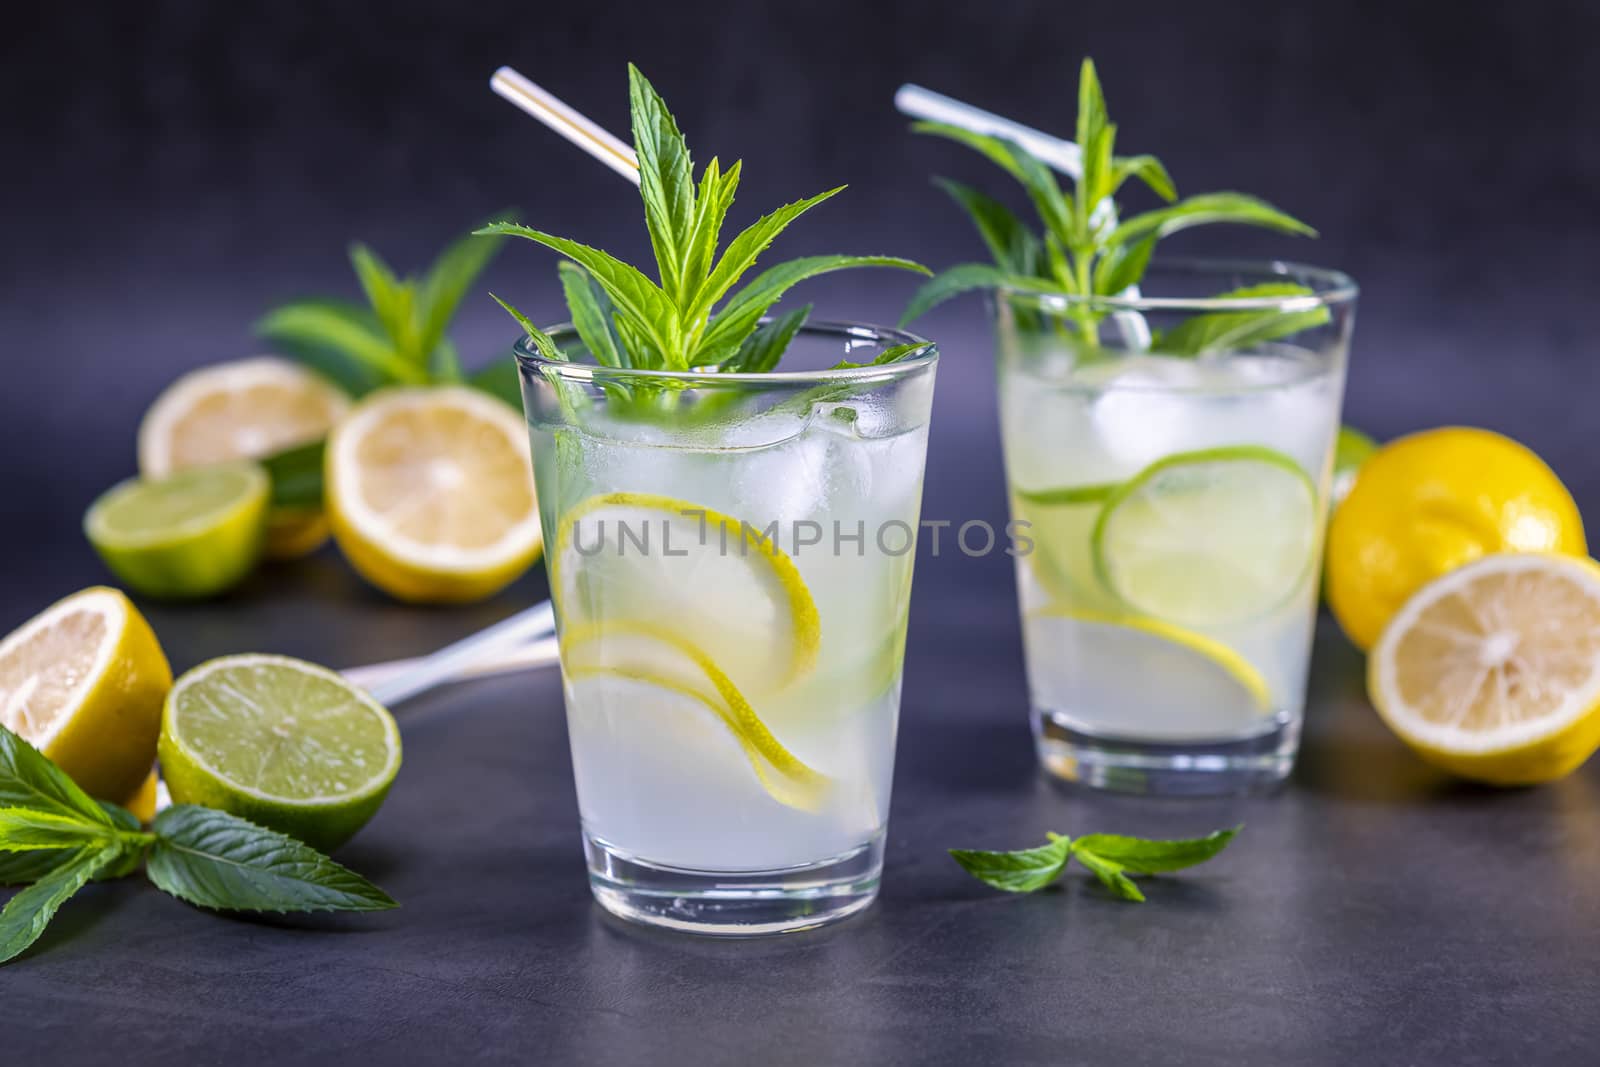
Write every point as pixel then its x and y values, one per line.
pixel 1112 858
pixel 55 839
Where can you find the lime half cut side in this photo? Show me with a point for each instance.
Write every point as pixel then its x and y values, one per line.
pixel 1209 538
pixel 283 743
pixel 1142 678
pixel 658 657
pixel 190 534
pixel 735 596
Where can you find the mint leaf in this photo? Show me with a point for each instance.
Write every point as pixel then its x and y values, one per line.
pixel 311 327
pixel 592 315
pixel 25 868
pixel 741 314
pixel 964 278
pixel 1123 266
pixel 392 300
pixel 296 475
pixel 1110 874
pixel 761 351
pixel 1230 330
pixel 636 296
pixel 1150 856
pixel 710 211
pixel 1147 169
pixel 745 249
pixel 666 180
pixel 30 911
pixel 29 780
pixel 1022 871
pixel 26 829
pixel 892 354
pixel 1205 209
pixel 1011 157
pixel 1012 245
pixel 446 284
pixel 541 340
pixel 219 861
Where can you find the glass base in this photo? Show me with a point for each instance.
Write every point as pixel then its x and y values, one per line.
pixel 1250 764
pixel 734 903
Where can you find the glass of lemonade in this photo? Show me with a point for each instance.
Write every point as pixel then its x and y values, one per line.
pixel 1176 507
pixel 730 560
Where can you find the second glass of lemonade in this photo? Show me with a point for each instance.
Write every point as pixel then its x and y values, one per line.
pixel 1175 506
pixel 730 560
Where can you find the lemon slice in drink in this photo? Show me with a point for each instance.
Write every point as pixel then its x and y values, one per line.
pixel 1209 538
pixel 660 658
pixel 1142 677
pixel 739 598
pixel 431 493
pixel 83 682
pixel 191 534
pixel 286 744
pixel 1060 525
pixel 244 409
pixel 1493 670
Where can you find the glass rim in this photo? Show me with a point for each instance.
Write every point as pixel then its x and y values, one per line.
pixel 529 356
pixel 1329 288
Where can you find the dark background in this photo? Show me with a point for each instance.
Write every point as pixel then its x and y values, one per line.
pixel 168 171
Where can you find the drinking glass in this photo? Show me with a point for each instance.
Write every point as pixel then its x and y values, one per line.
pixel 730 561
pixel 1168 458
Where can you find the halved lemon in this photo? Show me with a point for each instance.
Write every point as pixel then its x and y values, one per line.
pixel 430 491
pixel 661 658
pixel 1141 677
pixel 732 592
pixel 244 409
pixel 1493 671
pixel 83 682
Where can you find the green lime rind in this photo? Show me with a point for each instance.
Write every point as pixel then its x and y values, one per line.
pixel 1228 601
pixel 283 743
pixel 1068 495
pixel 189 535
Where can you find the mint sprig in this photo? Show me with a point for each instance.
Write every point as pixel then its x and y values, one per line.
pixel 1080 251
pixel 1112 858
pixel 55 839
pixel 399 337
pixel 692 316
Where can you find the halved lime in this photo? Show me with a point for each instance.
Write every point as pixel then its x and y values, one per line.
pixel 284 743
pixel 662 658
pixel 191 534
pixel 736 596
pixel 1209 538
pixel 1135 677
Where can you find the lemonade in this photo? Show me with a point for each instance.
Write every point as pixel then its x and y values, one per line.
pixel 1175 505
pixel 731 585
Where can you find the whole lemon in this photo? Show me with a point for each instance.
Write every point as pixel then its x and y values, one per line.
pixel 1427 503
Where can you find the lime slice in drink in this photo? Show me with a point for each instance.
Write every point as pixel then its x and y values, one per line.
pixel 660 658
pixel 286 744
pixel 737 597
pixel 1141 677
pixel 1060 525
pixel 190 534
pixel 1209 538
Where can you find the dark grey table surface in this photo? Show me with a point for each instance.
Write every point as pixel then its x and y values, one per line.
pixel 1371 912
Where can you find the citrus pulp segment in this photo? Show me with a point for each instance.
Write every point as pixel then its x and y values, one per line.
pixel 83 682
pixel 1493 670
pixel 281 742
pixel 430 491
pixel 1209 538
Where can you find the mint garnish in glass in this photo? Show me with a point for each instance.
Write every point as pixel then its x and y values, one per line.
pixel 1088 248
pixel 674 323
